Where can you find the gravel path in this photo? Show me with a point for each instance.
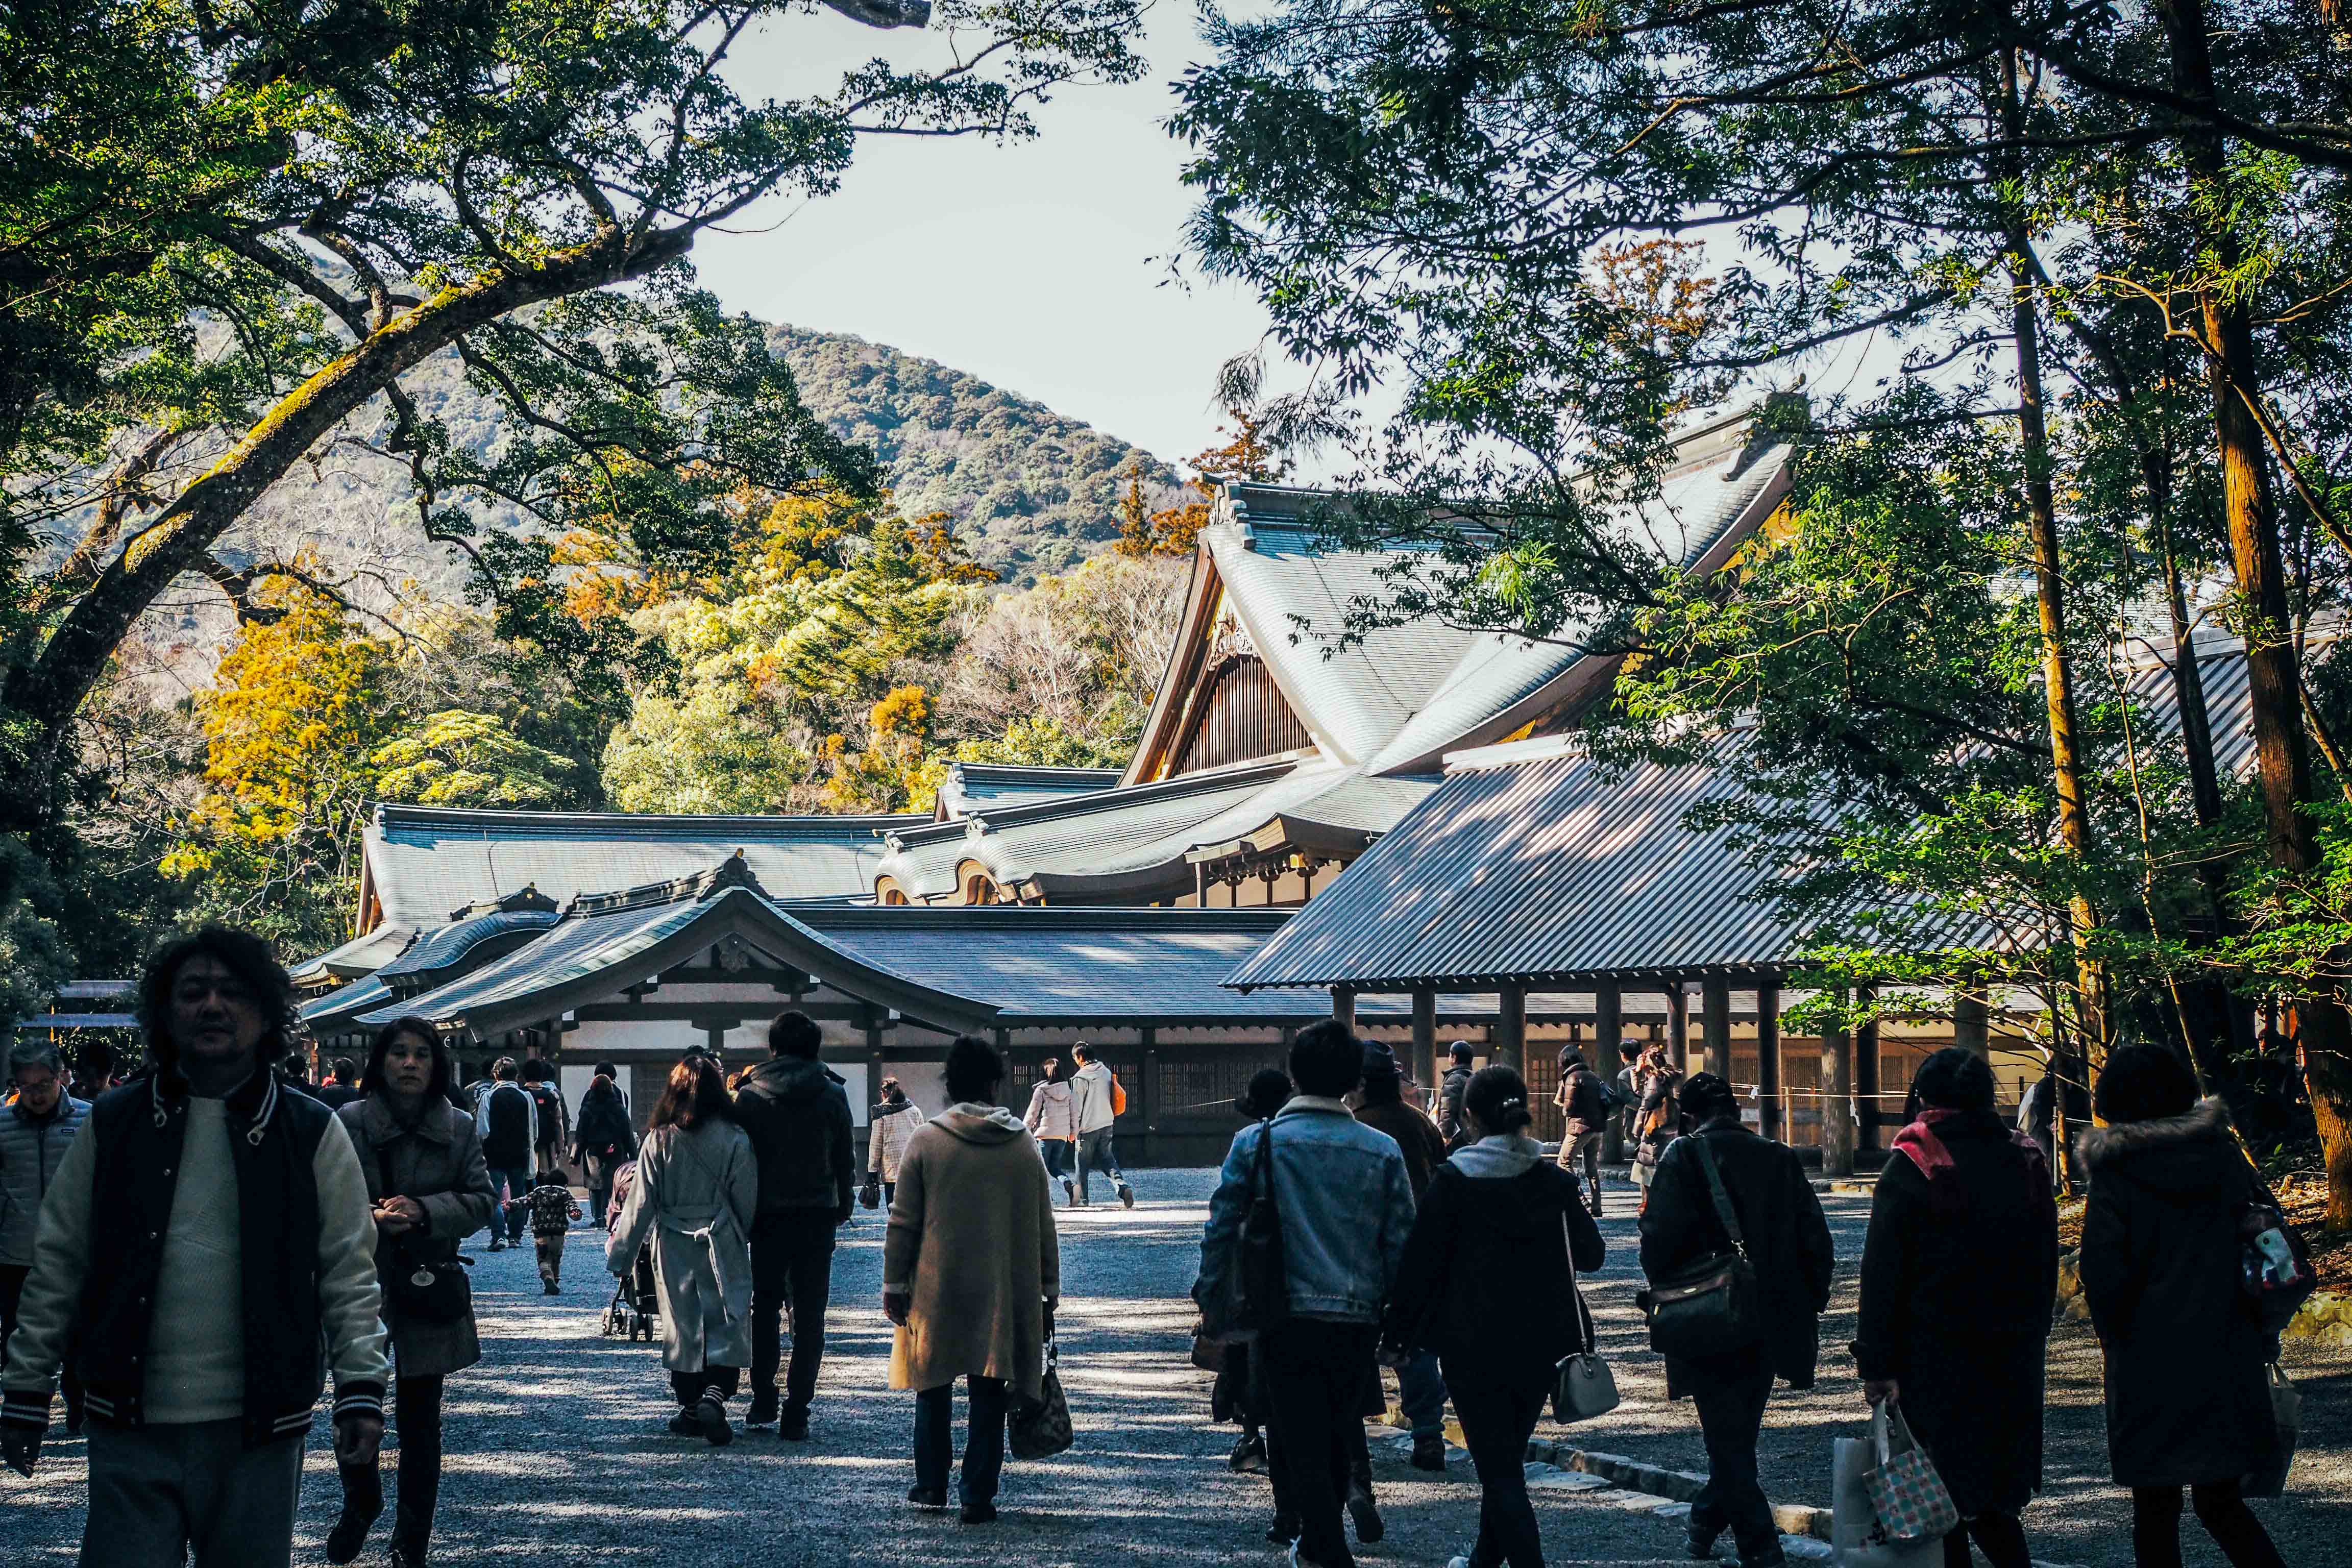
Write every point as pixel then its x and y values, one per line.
pixel 557 1455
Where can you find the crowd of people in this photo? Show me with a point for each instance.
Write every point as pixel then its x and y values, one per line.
pixel 197 1251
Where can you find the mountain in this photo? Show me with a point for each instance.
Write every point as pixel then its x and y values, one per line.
pixel 1034 490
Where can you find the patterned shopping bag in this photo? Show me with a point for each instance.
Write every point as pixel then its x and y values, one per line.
pixel 1906 1493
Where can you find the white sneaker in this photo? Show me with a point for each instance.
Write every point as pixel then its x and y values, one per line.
pixel 1458 1563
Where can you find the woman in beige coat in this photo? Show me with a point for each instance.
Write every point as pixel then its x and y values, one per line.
pixel 971 1273
pixel 423 1161
pixel 697 1192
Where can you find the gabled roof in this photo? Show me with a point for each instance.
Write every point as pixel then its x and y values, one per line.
pixel 1398 697
pixel 979 786
pixel 424 862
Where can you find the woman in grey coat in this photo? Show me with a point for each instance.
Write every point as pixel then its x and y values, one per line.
pixel 431 1189
pixel 697 1192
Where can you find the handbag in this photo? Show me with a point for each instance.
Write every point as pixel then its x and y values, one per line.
pixel 1582 1385
pixel 2275 1267
pixel 1906 1495
pixel 1854 1535
pixel 1713 1307
pixel 422 1290
pixel 1040 1429
pixel 2286 1414
pixel 870 1194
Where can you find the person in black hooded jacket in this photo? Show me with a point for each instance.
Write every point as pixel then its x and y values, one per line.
pixel 796 1112
pixel 1959 1272
pixel 1490 1247
pixel 1788 1240
pixel 2188 1392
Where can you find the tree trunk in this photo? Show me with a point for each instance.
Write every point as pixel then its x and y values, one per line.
pixel 2273 681
pixel 50 689
pixel 2050 591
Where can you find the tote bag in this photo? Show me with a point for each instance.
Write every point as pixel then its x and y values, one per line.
pixel 1854 1534
pixel 1906 1493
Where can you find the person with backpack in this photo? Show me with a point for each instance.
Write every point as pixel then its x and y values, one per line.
pixel 507 1119
pixel 1450 1125
pixel 1583 1101
pixel 1097 1099
pixel 1723 1189
pixel 1499 1239
pixel 603 1140
pixel 37 1128
pixel 2164 1229
pixel 551 1122
pixel 796 1111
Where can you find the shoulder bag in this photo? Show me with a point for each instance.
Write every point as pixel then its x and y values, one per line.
pixel 1582 1385
pixel 1265 1282
pixel 1713 1307
pixel 422 1290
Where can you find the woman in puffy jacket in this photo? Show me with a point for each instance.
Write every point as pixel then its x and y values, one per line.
pixel 895 1119
pixel 1053 1121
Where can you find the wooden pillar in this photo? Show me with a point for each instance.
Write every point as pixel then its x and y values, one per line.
pixel 1343 1004
pixel 1424 1036
pixel 1511 1026
pixel 1714 1027
pixel 1767 1059
pixel 1148 1095
pixel 1837 1102
pixel 1608 1029
pixel 875 1018
pixel 1865 1075
pixel 1971 1021
pixel 1678 1028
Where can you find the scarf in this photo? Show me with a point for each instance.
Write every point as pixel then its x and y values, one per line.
pixel 1918 1144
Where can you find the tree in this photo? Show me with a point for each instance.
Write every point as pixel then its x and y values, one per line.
pixel 1247 457
pixel 425 179
pixel 298 704
pixel 1134 512
pixel 457 757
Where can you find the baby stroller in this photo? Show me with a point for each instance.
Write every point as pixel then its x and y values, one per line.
pixel 634 1311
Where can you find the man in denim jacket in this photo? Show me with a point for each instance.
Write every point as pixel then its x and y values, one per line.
pixel 1347 1206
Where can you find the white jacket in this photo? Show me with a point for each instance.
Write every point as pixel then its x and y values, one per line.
pixel 1051 1115
pixel 886 1136
pixel 1090 1097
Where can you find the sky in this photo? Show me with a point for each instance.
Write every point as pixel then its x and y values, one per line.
pixel 1041 267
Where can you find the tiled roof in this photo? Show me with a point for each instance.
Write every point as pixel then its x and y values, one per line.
pixel 1538 865
pixel 1531 862
pixel 425 862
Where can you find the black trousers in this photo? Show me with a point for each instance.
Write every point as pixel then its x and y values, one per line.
pixel 12 1295
pixel 792 1255
pixel 1315 1391
pixel 1731 1392
pixel 2156 1526
pixel 417 1421
pixel 1498 1416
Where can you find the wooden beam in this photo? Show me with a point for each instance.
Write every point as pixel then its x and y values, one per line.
pixel 1678 1028
pixel 1511 1027
pixel 1768 1059
pixel 1424 1036
pixel 1715 1024
pixel 1837 1102
pixel 1343 1004
pixel 1608 1030
pixel 1147 1091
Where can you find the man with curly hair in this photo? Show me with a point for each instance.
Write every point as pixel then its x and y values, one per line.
pixel 208 1233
